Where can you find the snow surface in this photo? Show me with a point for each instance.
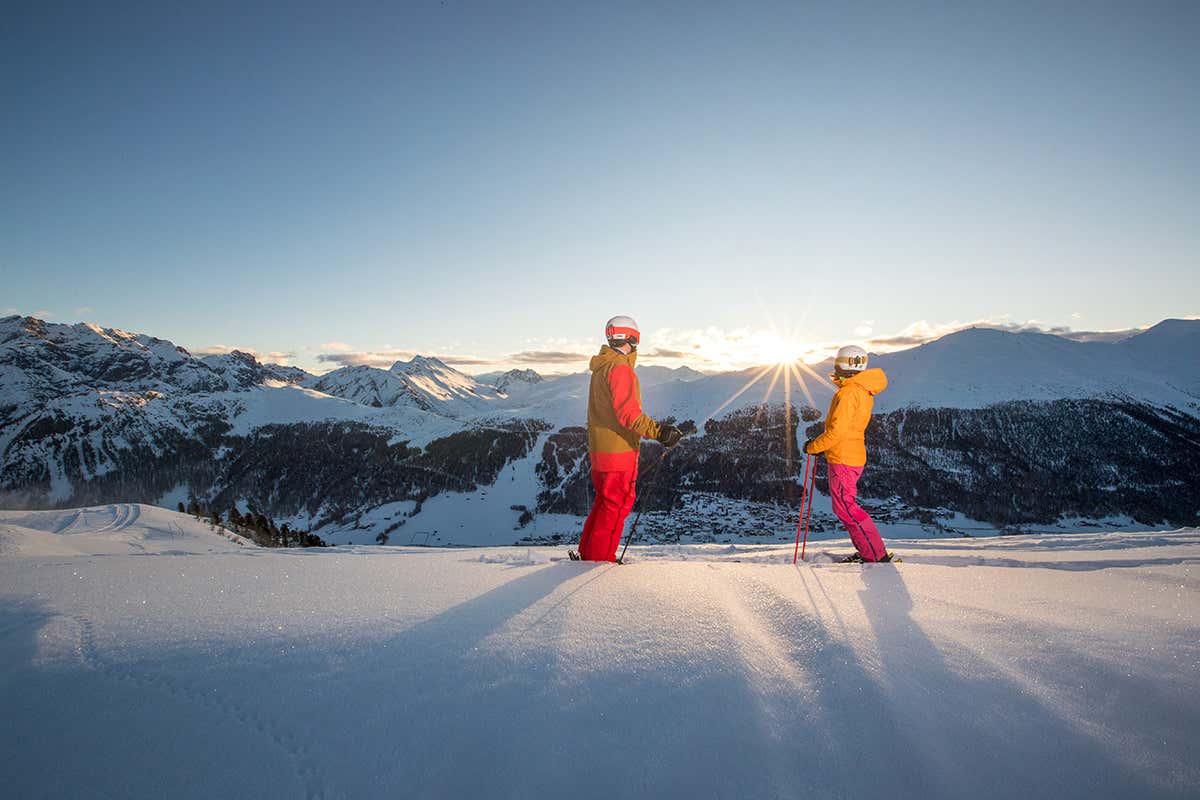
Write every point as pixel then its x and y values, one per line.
pixel 142 655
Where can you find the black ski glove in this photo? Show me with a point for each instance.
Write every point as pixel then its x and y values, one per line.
pixel 807 445
pixel 669 435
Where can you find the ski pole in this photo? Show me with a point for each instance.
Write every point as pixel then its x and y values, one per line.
pixel 812 485
pixel 645 500
pixel 803 496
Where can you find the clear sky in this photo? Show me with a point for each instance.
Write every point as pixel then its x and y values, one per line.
pixel 346 182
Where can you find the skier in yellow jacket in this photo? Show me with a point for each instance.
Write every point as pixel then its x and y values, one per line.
pixel 616 426
pixel 845 448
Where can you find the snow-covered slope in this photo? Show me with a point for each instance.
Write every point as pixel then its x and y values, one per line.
pixel 244 370
pixel 515 380
pixel 40 360
pixel 980 367
pixel 974 368
pixel 92 415
pixel 80 403
pixel 424 383
pixel 1065 667
pixel 117 529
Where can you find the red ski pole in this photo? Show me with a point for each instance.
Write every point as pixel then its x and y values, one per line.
pixel 812 484
pixel 803 495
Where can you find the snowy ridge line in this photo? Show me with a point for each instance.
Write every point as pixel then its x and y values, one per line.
pixel 236 538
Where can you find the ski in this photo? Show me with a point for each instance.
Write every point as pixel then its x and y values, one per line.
pixel 855 558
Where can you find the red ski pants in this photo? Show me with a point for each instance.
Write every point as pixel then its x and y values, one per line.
pixel 614 500
pixel 843 488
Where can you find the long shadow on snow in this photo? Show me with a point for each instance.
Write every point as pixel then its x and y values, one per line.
pixel 440 713
pixel 1003 743
pixel 78 724
pixel 449 712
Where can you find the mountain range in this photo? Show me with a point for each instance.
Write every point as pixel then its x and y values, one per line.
pixel 91 414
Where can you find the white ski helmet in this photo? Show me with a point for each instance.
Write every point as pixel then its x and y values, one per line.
pixel 622 330
pixel 850 359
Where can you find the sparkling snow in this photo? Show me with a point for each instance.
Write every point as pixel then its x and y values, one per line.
pixel 143 655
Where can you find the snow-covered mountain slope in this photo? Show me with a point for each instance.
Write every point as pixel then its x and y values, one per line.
pixel 424 383
pixel 81 404
pixel 40 360
pixel 981 367
pixel 244 370
pixel 89 415
pixel 974 368
pixel 118 529
pixel 1060 667
pixel 516 380
pixel 1170 349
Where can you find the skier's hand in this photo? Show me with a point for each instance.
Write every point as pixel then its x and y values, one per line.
pixel 807 445
pixel 669 435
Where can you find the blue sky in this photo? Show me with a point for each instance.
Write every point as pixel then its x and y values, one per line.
pixel 345 183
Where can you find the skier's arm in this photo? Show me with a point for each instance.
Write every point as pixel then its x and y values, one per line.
pixel 835 426
pixel 623 384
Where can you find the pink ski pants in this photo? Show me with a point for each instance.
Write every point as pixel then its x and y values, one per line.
pixel 843 488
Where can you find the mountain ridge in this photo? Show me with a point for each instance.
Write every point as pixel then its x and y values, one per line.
pixel 92 415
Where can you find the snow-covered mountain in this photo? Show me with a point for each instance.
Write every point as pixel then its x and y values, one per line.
pixel 91 413
pixel 981 367
pixel 95 415
pixel 974 368
pixel 243 370
pixel 517 379
pixel 424 383
pixel 40 360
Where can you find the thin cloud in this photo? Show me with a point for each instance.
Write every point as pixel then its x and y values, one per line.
pixel 83 311
pixel 664 353
pixel 546 357
pixel 277 357
pixel 43 314
pixel 337 347
pixel 467 361
pixel 381 359
pixel 223 350
pixel 385 358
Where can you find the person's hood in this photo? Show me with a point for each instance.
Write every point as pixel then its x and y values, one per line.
pixel 607 356
pixel 873 381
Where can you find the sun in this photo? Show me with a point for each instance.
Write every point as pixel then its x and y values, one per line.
pixel 774 348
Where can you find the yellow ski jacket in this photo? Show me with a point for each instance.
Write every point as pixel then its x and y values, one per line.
pixel 848 417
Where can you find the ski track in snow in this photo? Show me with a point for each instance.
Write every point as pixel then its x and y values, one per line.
pixel 169 661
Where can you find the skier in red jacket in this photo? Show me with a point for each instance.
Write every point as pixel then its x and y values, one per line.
pixel 616 426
